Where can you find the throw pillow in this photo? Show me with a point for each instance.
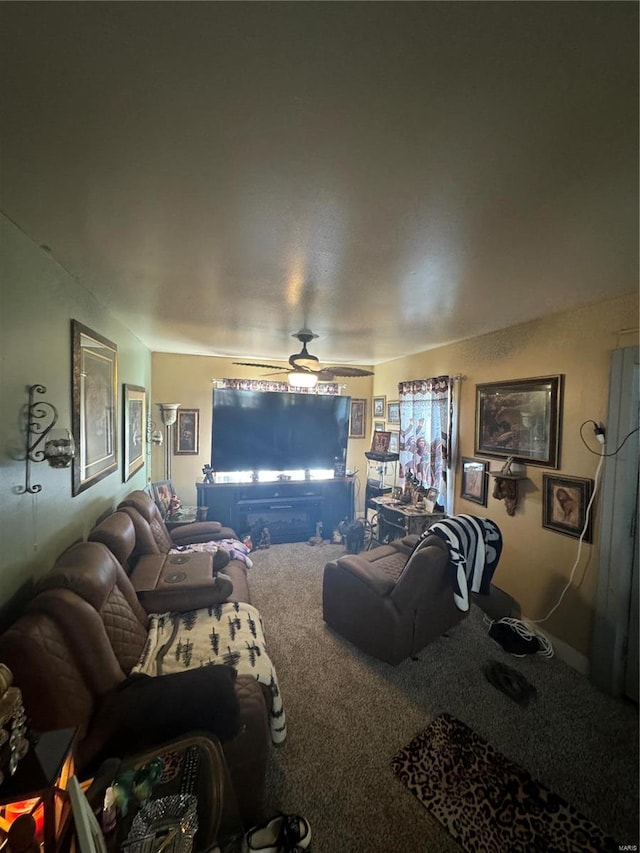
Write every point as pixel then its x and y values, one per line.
pixel 145 711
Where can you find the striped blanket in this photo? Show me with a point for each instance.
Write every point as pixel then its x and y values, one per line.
pixel 475 545
pixel 230 633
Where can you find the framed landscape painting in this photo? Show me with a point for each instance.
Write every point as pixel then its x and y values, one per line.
pixel 94 362
pixel 134 420
pixel 520 419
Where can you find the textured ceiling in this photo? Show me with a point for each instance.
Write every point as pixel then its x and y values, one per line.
pixel 394 176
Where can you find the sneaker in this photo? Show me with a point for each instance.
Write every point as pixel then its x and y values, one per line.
pixel 284 833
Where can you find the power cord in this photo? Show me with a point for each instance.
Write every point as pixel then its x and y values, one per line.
pixel 526 633
pixel 599 434
pixel 577 560
pixel 524 627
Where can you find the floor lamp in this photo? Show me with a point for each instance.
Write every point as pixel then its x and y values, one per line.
pixel 169 415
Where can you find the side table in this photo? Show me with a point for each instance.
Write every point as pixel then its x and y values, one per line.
pixel 194 764
pixel 185 515
pixel 396 519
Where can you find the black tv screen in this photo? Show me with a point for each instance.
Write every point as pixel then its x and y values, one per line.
pixel 272 431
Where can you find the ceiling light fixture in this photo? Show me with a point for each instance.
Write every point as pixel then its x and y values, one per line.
pixel 303 380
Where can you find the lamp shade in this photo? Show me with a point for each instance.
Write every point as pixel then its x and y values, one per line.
pixel 303 380
pixel 38 788
pixel 168 412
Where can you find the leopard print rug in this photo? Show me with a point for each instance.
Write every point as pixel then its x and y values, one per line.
pixel 486 802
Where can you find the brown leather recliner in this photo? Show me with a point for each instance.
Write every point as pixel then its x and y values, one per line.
pixel 390 602
pixel 152 535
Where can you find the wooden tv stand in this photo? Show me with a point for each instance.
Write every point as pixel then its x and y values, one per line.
pixel 289 508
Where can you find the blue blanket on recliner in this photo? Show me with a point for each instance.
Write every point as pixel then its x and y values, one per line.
pixel 475 545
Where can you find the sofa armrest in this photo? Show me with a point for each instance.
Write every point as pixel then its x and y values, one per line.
pixel 198 529
pixel 368 573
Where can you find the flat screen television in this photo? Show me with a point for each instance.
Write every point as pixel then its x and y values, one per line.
pixel 273 431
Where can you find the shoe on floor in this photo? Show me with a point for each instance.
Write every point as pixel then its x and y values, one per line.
pixel 282 834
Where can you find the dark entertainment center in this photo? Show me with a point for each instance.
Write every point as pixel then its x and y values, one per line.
pixel 290 509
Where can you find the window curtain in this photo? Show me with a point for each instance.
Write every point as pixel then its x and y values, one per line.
pixel 427 432
pixel 264 385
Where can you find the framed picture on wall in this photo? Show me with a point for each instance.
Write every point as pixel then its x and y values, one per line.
pixel 564 505
pixel 357 418
pixel 94 361
pixel 393 412
pixel 379 407
pixel 520 418
pixel 474 480
pixel 186 433
pixel 394 441
pixel 378 426
pixel 134 420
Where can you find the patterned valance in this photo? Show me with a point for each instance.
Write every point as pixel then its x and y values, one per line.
pixel 438 384
pixel 331 388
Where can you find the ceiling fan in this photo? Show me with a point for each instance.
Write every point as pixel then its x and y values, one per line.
pixel 305 369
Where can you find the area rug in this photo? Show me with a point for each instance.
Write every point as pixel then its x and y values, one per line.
pixel 485 801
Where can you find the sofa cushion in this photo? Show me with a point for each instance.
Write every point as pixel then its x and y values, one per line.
pixel 144 711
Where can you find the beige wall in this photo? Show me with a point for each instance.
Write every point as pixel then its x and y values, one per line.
pixel 187 380
pixel 536 561
pixel 38 301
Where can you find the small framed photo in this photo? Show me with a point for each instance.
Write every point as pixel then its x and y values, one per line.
pixel 134 429
pixel 186 433
pixel 163 491
pixel 380 442
pixel 564 505
pixel 394 441
pixel 474 480
pixel 378 426
pixel 431 499
pixel 393 412
pixel 358 418
pixel 379 407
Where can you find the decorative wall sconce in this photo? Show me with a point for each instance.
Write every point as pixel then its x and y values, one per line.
pixel 505 487
pixel 59 446
pixel 169 415
pixel 154 435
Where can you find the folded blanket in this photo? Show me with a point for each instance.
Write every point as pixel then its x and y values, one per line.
pixel 230 633
pixel 475 545
pixel 237 550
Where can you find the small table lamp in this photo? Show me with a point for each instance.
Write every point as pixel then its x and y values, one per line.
pixel 39 787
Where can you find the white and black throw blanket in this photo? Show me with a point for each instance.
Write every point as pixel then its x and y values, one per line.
pixel 230 633
pixel 475 545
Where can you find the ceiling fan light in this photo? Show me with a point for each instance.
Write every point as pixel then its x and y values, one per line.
pixel 303 380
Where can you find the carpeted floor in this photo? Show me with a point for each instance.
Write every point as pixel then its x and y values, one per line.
pixel 349 714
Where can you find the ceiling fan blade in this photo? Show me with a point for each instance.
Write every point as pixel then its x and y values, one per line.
pixel 267 366
pixel 343 370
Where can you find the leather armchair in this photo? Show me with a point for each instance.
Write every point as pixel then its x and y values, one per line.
pixel 389 601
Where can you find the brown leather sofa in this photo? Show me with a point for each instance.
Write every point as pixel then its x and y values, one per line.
pixel 388 603
pixel 72 651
